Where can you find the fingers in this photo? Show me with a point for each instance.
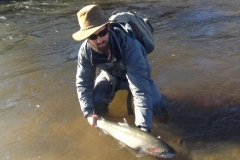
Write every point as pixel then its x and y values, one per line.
pixel 95 118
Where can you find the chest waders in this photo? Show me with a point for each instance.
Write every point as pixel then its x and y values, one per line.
pixel 115 83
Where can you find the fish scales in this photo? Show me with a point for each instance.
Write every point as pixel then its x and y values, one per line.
pixel 133 137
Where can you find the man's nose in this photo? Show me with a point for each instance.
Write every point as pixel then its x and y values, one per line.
pixel 99 39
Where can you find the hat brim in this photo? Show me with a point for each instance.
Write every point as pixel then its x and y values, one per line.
pixel 81 35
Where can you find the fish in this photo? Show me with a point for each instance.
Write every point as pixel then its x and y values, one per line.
pixel 133 137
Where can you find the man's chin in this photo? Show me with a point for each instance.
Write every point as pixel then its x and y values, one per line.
pixel 102 50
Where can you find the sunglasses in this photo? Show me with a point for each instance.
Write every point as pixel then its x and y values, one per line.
pixel 100 34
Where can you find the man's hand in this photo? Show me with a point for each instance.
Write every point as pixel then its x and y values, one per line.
pixel 92 119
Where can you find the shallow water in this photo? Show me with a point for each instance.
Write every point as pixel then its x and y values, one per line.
pixel 196 64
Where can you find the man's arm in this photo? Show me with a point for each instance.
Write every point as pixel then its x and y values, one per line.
pixel 138 74
pixel 85 78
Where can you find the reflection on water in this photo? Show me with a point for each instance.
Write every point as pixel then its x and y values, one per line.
pixel 195 64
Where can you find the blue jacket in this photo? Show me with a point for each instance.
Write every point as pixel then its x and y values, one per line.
pixel 128 62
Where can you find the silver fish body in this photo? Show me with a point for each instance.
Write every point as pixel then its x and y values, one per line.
pixel 136 139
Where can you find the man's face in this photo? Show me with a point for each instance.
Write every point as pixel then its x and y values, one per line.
pixel 99 40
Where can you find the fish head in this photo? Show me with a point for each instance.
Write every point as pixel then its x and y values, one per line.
pixel 161 151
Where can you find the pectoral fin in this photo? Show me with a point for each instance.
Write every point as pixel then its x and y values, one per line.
pixel 120 145
pixel 141 153
pixel 102 132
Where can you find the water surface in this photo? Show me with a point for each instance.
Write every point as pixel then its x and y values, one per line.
pixel 196 64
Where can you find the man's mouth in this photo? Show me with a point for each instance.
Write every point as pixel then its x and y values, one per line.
pixel 101 44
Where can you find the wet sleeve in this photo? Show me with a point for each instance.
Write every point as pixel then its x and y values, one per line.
pixel 85 78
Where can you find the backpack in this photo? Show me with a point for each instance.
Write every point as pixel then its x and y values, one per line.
pixel 135 26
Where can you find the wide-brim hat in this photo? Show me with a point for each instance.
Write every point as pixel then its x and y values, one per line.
pixel 90 18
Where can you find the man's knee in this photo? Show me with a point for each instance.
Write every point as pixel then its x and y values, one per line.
pixel 102 96
pixel 160 106
pixel 101 101
pixel 159 110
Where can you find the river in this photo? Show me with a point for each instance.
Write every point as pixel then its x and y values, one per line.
pixel 196 65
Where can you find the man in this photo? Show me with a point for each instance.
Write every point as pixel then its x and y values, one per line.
pixel 123 64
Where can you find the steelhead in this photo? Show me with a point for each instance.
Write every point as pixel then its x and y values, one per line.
pixel 136 139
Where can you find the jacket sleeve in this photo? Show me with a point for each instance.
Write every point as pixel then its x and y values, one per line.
pixel 138 74
pixel 85 78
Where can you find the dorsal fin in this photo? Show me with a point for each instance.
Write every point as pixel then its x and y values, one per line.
pixel 125 122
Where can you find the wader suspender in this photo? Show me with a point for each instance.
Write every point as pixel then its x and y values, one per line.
pixel 129 103
pixel 115 83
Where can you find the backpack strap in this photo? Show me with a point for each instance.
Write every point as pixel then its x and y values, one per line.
pixel 125 27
